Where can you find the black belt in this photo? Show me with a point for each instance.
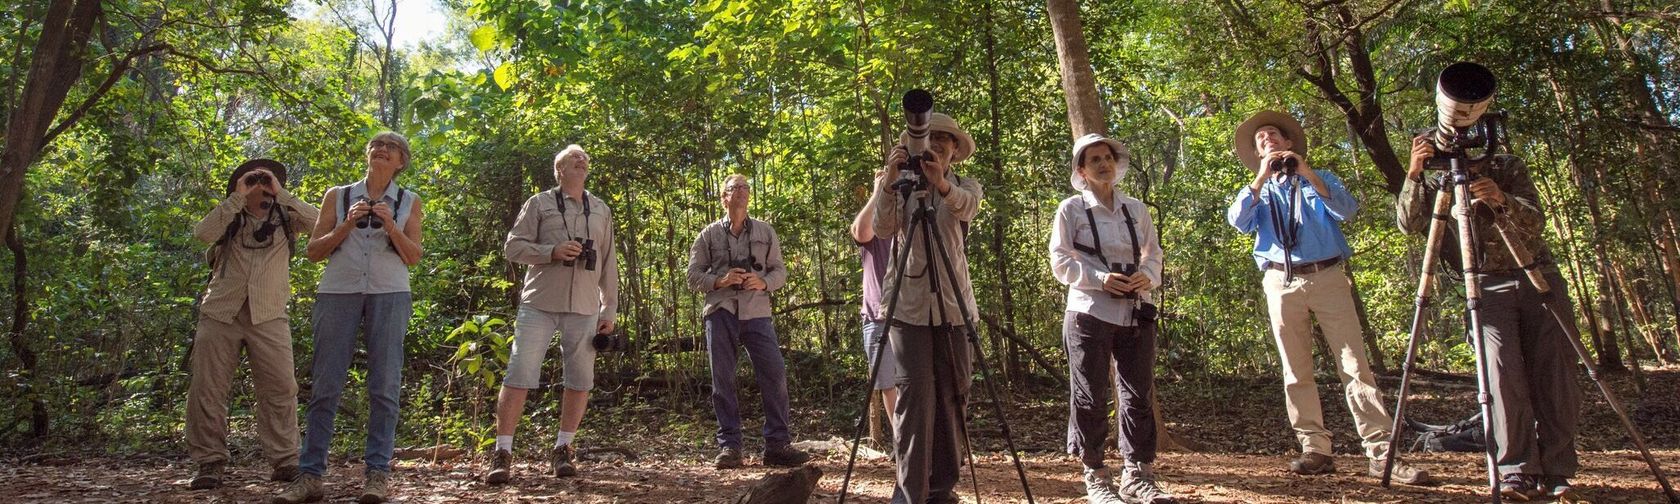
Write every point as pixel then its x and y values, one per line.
pixel 1313 267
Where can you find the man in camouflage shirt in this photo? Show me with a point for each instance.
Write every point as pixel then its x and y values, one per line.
pixel 1535 399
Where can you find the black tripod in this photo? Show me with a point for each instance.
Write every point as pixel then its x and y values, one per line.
pixel 922 219
pixel 1459 192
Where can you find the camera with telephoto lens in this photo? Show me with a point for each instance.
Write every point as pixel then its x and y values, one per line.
pixel 1463 92
pixel 370 220
pixel 1127 270
pixel 1285 165
pixel 587 255
pixel 918 107
pixel 748 263
pixel 610 342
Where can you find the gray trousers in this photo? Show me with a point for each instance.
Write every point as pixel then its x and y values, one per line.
pixel 724 333
pixel 1536 402
pixel 934 375
pixel 1093 346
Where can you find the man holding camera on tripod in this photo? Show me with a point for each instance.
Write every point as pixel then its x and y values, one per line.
pixel 927 336
pixel 1536 403
pixel 1295 213
pixel 565 237
pixel 736 261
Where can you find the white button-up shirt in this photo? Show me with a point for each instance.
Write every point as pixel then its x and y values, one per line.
pixel 1083 272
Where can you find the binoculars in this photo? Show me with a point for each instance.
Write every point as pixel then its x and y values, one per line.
pixel 587 255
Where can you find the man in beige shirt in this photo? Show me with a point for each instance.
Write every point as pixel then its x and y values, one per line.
pixel 565 238
pixel 253 235
pixel 737 261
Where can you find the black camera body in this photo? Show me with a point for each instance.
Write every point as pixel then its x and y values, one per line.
pixel 588 255
pixel 610 342
pixel 748 263
pixel 1285 165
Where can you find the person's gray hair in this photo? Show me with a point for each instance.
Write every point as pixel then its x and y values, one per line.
pixel 572 153
pixel 400 141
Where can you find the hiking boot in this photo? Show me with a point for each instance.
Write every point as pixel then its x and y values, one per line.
pixel 501 467
pixel 284 473
pixel 375 488
pixel 1137 486
pixel 1518 487
pixel 1099 486
pixel 1310 463
pixel 785 456
pixel 1556 487
pixel 208 476
pixel 727 458
pixel 943 498
pixel 1402 472
pixel 561 458
pixel 304 488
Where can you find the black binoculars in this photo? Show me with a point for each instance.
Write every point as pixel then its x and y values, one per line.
pixel 587 255
pixel 1286 164
pixel 370 219
pixel 748 263
pixel 1123 269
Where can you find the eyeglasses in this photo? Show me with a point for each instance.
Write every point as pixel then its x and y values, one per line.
pixel 737 187
pixel 381 144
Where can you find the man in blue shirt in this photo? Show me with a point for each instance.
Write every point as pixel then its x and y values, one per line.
pixel 1295 214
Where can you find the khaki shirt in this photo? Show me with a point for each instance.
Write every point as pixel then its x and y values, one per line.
pixel 951 212
pixel 246 270
pixel 1522 207
pixel 709 258
pixel 551 285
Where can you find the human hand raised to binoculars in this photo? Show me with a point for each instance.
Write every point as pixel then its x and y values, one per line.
pixel 567 251
pixel 362 208
pixel 1122 284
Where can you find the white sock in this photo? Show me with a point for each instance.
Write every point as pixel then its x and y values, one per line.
pixel 504 443
pixel 565 438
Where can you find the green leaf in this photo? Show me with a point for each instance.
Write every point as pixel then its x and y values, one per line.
pixel 504 76
pixel 484 38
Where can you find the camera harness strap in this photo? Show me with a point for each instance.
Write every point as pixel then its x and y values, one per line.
pixel 344 209
pixel 1286 222
pixel 566 224
pixel 1131 230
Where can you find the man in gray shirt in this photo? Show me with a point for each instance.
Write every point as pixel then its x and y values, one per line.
pixel 736 261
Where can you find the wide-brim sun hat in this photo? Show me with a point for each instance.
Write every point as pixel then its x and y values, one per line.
pixel 1123 158
pixel 275 167
pixel 942 122
pixel 1244 136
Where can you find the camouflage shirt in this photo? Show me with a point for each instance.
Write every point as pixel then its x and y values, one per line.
pixel 1522 208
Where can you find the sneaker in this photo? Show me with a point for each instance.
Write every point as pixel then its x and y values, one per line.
pixel 284 473
pixel 785 456
pixel 1518 487
pixel 501 467
pixel 727 458
pixel 376 487
pixel 1137 486
pixel 208 476
pixel 1402 472
pixel 1556 487
pixel 561 458
pixel 304 488
pixel 1099 486
pixel 1310 463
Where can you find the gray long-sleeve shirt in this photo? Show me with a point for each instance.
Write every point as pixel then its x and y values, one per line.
pixel 951 211
pixel 716 247
pixel 551 285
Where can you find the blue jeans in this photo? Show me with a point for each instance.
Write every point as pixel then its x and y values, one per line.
pixel 383 320
pixel 724 332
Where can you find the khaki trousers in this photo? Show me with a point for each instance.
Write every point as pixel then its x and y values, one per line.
pixel 215 357
pixel 1327 296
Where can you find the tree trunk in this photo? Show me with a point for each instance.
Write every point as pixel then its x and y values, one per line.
pixel 56 67
pixel 19 342
pixel 1363 111
pixel 1013 368
pixel 1085 115
pixel 1079 81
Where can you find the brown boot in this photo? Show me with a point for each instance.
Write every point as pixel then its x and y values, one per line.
pixel 1402 472
pixel 284 473
pixel 1312 463
pixel 501 467
pixel 305 488
pixel 376 488
pixel 561 459
pixel 208 476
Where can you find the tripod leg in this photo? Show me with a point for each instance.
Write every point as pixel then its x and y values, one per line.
pixel 1473 300
pixel 1431 252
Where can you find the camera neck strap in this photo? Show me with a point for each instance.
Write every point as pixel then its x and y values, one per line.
pixel 1096 238
pixel 560 201
pixel 731 239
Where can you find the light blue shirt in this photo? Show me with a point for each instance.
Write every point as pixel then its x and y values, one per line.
pixel 1320 216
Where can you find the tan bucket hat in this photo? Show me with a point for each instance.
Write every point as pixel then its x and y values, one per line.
pixel 1244 137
